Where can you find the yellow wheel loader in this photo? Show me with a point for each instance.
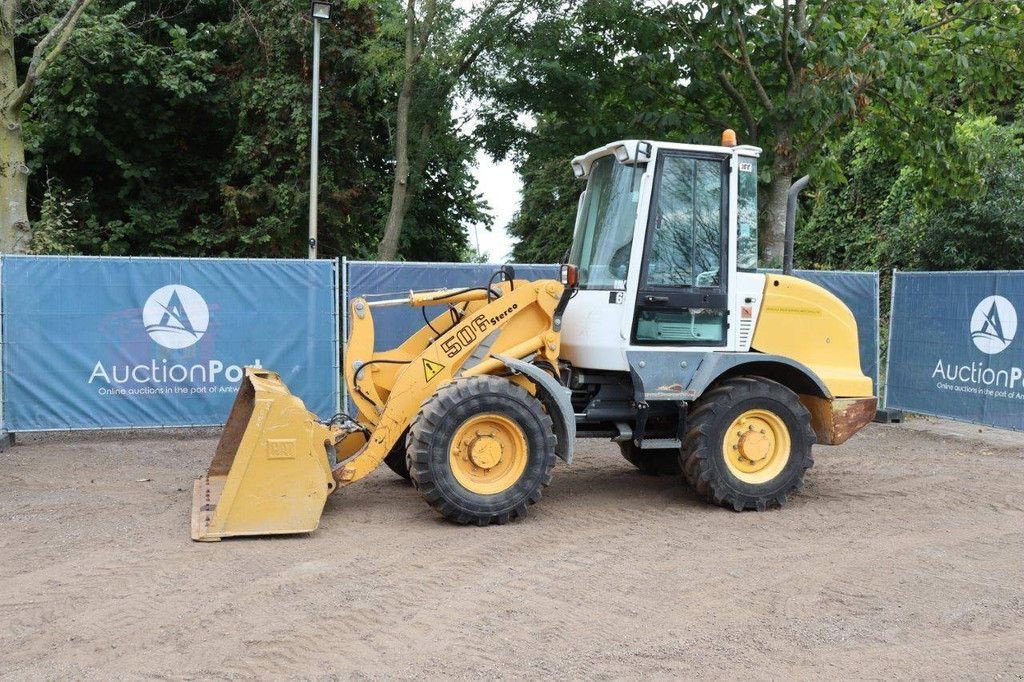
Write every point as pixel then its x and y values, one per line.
pixel 660 335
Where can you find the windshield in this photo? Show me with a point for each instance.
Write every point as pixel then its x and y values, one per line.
pixel 604 226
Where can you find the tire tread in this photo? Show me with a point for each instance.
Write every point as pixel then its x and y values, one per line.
pixel 698 449
pixel 431 415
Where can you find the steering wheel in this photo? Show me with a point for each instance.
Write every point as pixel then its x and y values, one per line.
pixel 618 264
pixel 708 278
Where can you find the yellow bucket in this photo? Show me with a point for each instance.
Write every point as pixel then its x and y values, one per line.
pixel 271 472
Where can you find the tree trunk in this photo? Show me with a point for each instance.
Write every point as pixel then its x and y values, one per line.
pixel 15 233
pixel 774 234
pixel 417 167
pixel 393 228
pixel 388 248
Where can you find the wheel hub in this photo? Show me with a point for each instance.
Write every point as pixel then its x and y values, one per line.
pixel 488 453
pixel 485 451
pixel 756 446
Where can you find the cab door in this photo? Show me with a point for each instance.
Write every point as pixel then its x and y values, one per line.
pixel 682 298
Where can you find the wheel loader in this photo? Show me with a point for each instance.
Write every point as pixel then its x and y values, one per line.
pixel 660 335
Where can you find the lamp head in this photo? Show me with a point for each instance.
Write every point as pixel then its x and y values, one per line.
pixel 320 10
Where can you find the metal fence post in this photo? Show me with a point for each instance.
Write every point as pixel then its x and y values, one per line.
pixel 878 334
pixel 337 345
pixel 6 438
pixel 888 346
pixel 344 330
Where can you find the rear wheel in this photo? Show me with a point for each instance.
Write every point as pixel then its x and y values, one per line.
pixel 651 462
pixel 748 444
pixel 481 450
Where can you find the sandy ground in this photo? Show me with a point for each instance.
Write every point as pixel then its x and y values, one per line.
pixel 903 557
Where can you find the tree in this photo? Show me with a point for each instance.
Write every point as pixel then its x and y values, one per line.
pixel 417 38
pixel 583 76
pixel 791 76
pixel 186 133
pixel 883 214
pixel 796 73
pixel 15 230
pixel 435 62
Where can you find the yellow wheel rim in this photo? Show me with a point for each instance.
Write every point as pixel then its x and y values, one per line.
pixel 488 454
pixel 756 446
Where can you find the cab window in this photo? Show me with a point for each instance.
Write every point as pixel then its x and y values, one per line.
pixel 604 226
pixel 686 239
pixel 746 219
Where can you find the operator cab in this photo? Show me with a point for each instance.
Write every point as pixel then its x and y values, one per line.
pixel 666 246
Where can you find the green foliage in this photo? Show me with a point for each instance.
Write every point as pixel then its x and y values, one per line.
pixel 883 215
pixel 186 132
pixel 585 76
pixel 106 122
pixel 54 231
pixel 985 231
pixel 544 224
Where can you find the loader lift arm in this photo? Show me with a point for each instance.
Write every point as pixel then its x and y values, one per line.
pixel 517 324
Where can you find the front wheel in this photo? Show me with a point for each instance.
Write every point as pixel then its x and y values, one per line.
pixel 748 444
pixel 481 450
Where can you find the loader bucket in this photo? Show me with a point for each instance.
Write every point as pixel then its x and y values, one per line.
pixel 270 473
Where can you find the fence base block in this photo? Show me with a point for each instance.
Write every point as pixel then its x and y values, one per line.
pixel 889 416
pixel 6 440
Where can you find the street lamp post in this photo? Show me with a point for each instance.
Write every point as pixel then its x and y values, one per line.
pixel 320 11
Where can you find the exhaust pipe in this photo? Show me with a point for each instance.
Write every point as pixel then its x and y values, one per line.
pixel 792 195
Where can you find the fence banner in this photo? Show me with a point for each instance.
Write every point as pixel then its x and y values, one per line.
pixel 91 343
pixel 859 290
pixel 954 350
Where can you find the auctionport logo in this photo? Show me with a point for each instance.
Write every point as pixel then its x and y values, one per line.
pixel 993 325
pixel 992 328
pixel 175 316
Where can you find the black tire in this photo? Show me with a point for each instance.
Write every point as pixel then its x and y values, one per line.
pixel 703 454
pixel 439 419
pixel 397 460
pixel 656 462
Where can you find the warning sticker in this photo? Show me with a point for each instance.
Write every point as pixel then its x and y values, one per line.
pixel 431 369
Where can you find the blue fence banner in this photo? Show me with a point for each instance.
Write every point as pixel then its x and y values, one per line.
pixel 954 346
pixel 859 290
pixel 92 343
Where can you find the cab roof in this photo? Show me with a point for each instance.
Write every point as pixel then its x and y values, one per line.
pixel 584 161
